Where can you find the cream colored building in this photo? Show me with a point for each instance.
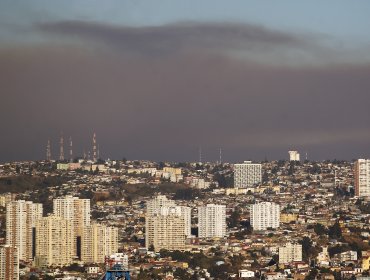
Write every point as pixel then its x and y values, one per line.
pixel 9 263
pixel 98 241
pixel 54 241
pixel 164 206
pixel 362 178
pixel 172 170
pixel 286 218
pixel 6 198
pixel 290 252
pixel 21 217
pixel 154 205
pixel 77 211
pixel 165 232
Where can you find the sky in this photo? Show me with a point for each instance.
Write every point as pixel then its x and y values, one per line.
pixel 159 79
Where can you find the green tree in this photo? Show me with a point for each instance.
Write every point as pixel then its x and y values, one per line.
pixel 320 229
pixel 234 218
pixel 335 231
pixel 306 246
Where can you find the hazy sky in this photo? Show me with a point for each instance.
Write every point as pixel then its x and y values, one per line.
pixel 158 79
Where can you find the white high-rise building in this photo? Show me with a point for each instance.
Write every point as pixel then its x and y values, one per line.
pixel 294 156
pixel 21 217
pixel 362 177
pixel 98 242
pixel 290 252
pixel 77 211
pixel 247 174
pixel 265 215
pixel 212 221
pixel 54 241
pixel 9 263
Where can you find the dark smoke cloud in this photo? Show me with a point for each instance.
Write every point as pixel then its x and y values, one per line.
pixel 164 107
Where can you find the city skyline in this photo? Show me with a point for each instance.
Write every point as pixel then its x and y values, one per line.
pixel 158 81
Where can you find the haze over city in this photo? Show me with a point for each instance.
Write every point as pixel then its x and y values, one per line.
pixel 157 80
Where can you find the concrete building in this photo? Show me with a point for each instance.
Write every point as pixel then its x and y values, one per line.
pixel 166 224
pixel 9 263
pixel 77 211
pixel 247 174
pixel 294 156
pixel 212 221
pixel 98 242
pixel 6 198
pixel 165 232
pixel 54 241
pixel 362 177
pixel 154 205
pixel 290 252
pixel 265 215
pixel 21 217
pixel 181 211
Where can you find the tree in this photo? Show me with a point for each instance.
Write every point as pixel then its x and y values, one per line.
pixel 335 231
pixel 312 274
pixel 320 229
pixel 151 248
pixel 234 218
pixel 306 246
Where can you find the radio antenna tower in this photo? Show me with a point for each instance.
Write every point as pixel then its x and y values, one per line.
pixel 70 149
pixel 200 154
pixel 61 151
pixel 94 149
pixel 48 151
pixel 220 155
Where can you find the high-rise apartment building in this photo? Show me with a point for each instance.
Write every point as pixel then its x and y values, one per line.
pixel 181 211
pixel 6 198
pixel 98 242
pixel 247 174
pixel 164 206
pixel 77 211
pixel 9 263
pixel 154 205
pixel 54 241
pixel 290 252
pixel 21 217
pixel 294 156
pixel 265 215
pixel 212 221
pixel 166 225
pixel 362 177
pixel 165 232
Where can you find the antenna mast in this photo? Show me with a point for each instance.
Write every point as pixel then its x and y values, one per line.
pixel 70 149
pixel 94 148
pixel 200 154
pixel 48 151
pixel 61 154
